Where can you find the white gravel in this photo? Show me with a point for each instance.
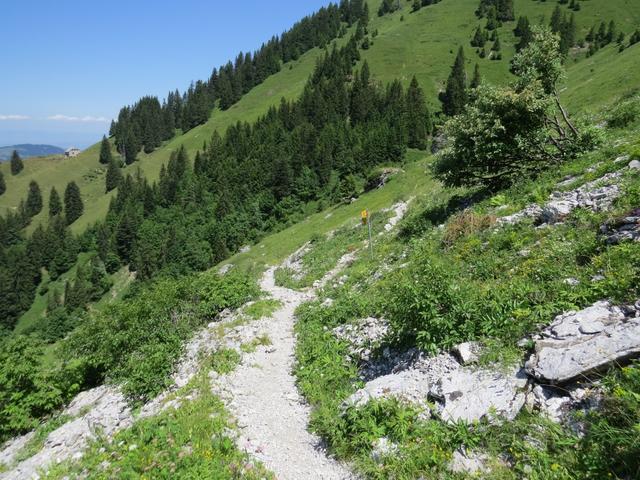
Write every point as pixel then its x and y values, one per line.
pixel 261 393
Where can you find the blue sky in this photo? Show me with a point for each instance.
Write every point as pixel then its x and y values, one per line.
pixel 69 65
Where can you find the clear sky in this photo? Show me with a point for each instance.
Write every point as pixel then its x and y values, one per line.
pixel 69 65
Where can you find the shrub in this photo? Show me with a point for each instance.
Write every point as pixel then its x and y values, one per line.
pixel 464 224
pixel 625 113
pixel 138 341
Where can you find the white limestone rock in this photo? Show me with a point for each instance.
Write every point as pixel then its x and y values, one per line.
pixel 578 343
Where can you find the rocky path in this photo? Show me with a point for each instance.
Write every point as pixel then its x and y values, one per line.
pixel 262 395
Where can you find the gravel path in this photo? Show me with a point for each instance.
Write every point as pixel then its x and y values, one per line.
pixel 262 395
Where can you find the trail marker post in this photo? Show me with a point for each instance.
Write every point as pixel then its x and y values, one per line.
pixel 366 220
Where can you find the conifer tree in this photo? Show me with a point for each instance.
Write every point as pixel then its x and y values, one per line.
pixel 113 177
pixel 419 122
pixel 479 38
pixel 3 185
pixel 496 45
pixel 556 20
pixel 34 199
pixel 492 19
pixel 131 147
pixel 477 79
pixel 55 205
pixel 521 27
pixel 16 163
pixel 105 151
pixel 454 97
pixel 73 206
pixel 417 5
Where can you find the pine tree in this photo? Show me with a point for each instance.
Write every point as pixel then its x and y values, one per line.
pixel 496 45
pixel 521 27
pixel 477 79
pixel 3 185
pixel 55 205
pixel 454 97
pixel 611 32
pixel 419 122
pixel 556 20
pixel 34 199
pixel 16 163
pixel 73 206
pixel 105 151
pixel 479 38
pixel 417 5
pixel 113 179
pixel 492 19
pixel 131 147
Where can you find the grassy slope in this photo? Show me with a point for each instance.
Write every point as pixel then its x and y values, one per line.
pixel 423 44
pixel 412 182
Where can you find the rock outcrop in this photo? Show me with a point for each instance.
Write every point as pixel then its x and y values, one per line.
pixel 622 229
pixel 473 394
pixel 578 343
pixel 597 195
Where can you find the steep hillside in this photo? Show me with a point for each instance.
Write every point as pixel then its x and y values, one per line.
pixel 407 44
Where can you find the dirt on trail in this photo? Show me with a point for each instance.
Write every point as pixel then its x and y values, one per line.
pixel 262 395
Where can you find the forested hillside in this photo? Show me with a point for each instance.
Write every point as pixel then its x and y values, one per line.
pixel 462 112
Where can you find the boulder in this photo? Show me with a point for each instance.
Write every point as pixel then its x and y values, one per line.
pixel 468 462
pixel 381 448
pixel 634 164
pixel 473 394
pixel 468 352
pixel 408 386
pixel 579 343
pixel 622 229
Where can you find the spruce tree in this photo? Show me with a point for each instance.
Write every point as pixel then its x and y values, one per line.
pixel 496 45
pixel 3 185
pixel 454 97
pixel 477 79
pixel 419 122
pixel 73 206
pixel 131 147
pixel 479 38
pixel 105 151
pixel 16 163
pixel 556 20
pixel 34 199
pixel 55 205
pixel 113 177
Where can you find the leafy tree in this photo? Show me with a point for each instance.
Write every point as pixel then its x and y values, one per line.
pixel 417 5
pixel 105 151
pixel 454 97
pixel 73 206
pixel 16 163
pixel 3 185
pixel 55 204
pixel 419 121
pixel 34 199
pixel 509 132
pixel 113 178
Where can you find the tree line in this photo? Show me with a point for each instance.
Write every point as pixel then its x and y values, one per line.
pixel 148 122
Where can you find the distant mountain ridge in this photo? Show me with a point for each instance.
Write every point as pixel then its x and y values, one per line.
pixel 27 150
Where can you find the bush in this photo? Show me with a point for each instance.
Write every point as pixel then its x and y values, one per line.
pixel 29 391
pixel 138 340
pixel 465 223
pixel 625 113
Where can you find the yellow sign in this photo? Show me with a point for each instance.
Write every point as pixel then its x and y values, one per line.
pixel 365 216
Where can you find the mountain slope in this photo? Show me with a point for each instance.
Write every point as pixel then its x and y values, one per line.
pixel 422 43
pixel 27 150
